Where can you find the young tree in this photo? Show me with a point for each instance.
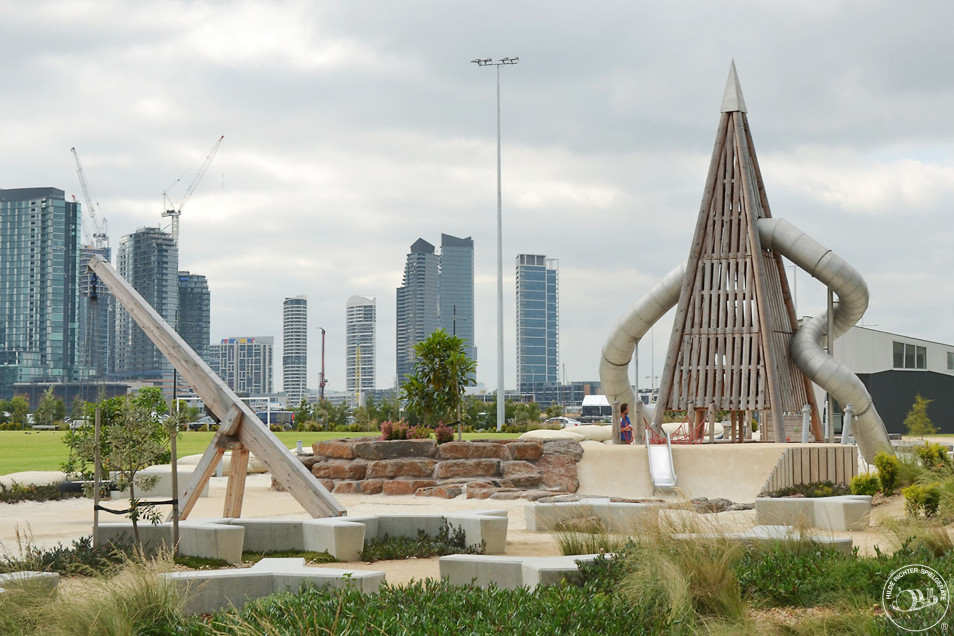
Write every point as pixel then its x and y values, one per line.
pixel 917 421
pixel 19 409
pixel 441 373
pixel 49 409
pixel 554 410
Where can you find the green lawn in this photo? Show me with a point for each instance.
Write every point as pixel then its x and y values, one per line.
pixel 45 450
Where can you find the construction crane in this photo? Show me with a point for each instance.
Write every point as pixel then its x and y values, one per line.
pixel 321 380
pixel 100 235
pixel 176 211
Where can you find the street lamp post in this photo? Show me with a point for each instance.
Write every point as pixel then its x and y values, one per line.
pixel 504 61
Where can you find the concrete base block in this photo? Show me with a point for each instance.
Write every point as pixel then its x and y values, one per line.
pixel 163 487
pixel 489 526
pixel 509 572
pixel 209 591
pixel 44 580
pixel 838 514
pixel 615 516
pixel 269 535
pixel 196 538
pixel 342 538
pixel 773 534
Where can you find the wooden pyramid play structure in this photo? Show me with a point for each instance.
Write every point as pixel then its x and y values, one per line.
pixel 733 329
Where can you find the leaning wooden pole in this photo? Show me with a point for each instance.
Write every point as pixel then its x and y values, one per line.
pixel 237 419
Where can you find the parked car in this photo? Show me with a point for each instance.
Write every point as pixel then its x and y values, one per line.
pixel 564 422
pixel 203 421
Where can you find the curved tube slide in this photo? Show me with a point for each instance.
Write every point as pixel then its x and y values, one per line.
pixel 807 353
pixel 630 328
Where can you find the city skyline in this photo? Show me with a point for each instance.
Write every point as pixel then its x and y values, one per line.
pixel 348 133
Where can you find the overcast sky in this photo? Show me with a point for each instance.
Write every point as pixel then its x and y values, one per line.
pixel 354 128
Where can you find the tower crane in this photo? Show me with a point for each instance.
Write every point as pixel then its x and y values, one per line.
pixel 176 211
pixel 100 234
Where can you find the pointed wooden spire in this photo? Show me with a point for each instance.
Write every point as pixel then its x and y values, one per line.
pixel 732 100
pixel 730 342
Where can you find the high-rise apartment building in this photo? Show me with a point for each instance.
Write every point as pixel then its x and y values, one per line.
pixel 193 322
pixel 96 315
pixel 360 318
pixel 245 364
pixel 39 294
pixel 456 290
pixel 538 322
pixel 295 349
pixel 149 260
pixel 417 307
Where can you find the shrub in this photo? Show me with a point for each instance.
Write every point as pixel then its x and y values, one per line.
pixel 918 499
pixel 79 558
pixel 449 540
pixel 16 492
pixel 865 484
pixel 887 466
pixel 444 434
pixel 933 456
pixel 813 489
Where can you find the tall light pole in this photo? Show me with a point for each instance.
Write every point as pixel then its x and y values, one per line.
pixel 501 396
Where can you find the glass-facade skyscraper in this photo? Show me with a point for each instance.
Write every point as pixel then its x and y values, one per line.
pixel 417 307
pixel 193 323
pixel 96 316
pixel 149 260
pixel 295 349
pixel 39 294
pixel 456 290
pixel 360 319
pixel 538 322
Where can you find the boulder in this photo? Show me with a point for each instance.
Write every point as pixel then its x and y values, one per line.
pixel 393 449
pixel 473 450
pixel 406 487
pixel 413 467
pixel 467 468
pixel 334 448
pixel 445 491
pixel 567 447
pixel 559 471
pixel 369 487
pixel 340 469
pixel 527 451
pixel 521 474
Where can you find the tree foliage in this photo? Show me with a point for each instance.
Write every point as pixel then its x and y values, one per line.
pixel 442 371
pixel 917 421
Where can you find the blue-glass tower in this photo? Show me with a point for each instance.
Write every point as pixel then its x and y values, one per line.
pixel 538 322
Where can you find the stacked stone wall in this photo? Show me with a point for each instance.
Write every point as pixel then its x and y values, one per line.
pixel 509 469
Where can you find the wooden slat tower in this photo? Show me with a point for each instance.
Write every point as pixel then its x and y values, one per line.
pixel 729 349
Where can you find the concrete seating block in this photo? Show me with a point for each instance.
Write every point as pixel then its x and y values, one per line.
pixel 196 538
pixel 615 516
pixel 848 512
pixel 489 526
pixel 341 537
pixel 509 572
pixel 786 511
pixel 212 590
pixel 774 534
pixel 44 580
pixel 269 535
pixel 838 514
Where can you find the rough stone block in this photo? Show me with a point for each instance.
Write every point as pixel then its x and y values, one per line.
pixel 473 450
pixel 467 468
pixel 329 484
pixel 526 451
pixel 409 487
pixel 366 487
pixel 567 447
pixel 445 492
pixel 413 467
pixel 335 448
pixel 393 449
pixel 521 474
pixel 559 471
pixel 308 461
pixel 340 469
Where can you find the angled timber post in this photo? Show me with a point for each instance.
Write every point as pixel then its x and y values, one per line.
pixel 239 431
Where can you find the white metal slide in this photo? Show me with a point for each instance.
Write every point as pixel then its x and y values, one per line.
pixel 660 463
